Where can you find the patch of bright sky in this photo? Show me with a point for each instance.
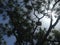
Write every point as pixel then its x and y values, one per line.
pixel 46 20
pixel 1 18
pixel 10 40
pixel 51 5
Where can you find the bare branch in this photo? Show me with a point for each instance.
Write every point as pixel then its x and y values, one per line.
pixel 35 14
pixel 51 26
pixel 55 4
pixel 47 33
pixel 34 29
pixel 56 22
pixel 41 17
pixel 49 30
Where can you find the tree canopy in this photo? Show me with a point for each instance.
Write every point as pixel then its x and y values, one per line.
pixel 23 27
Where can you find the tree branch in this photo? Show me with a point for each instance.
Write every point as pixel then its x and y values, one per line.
pixel 51 26
pixel 56 22
pixel 47 33
pixel 55 4
pixel 37 16
pixel 34 29
pixel 49 30
pixel 41 17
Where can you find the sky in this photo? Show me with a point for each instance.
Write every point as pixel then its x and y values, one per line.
pixel 46 21
pixel 9 40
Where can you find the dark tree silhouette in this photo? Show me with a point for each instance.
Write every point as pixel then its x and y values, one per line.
pixel 20 19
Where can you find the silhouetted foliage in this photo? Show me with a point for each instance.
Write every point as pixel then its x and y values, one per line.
pixel 21 24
